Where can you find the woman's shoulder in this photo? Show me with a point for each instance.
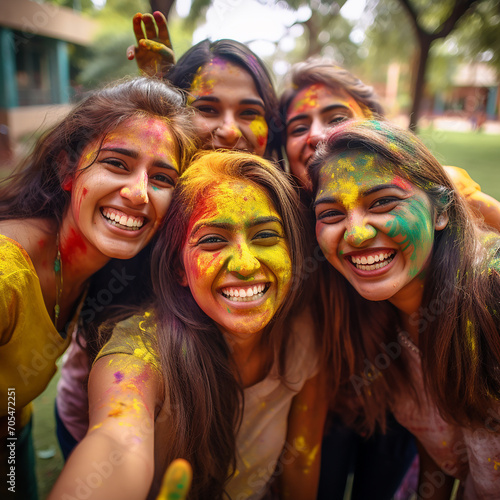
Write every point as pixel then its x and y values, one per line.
pixel 28 236
pixel 13 257
pixel 134 336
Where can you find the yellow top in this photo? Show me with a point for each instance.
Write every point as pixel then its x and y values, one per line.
pixel 29 342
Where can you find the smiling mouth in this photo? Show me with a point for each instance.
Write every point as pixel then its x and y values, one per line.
pixel 245 294
pixel 372 262
pixel 122 220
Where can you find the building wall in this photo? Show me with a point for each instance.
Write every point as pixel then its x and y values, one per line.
pixel 34 67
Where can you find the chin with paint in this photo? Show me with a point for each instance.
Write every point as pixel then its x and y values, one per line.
pixel 95 189
pixel 422 282
pixel 215 372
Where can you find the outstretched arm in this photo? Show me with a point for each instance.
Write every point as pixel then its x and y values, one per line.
pixel 301 458
pixel 486 207
pixel 482 204
pixel 116 457
pixel 154 53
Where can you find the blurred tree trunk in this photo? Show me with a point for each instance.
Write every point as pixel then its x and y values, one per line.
pixel 164 6
pixel 425 39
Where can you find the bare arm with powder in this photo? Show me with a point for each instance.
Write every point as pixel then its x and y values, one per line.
pixel 301 459
pixel 119 447
pixel 154 53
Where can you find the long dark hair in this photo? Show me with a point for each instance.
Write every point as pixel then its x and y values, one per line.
pixel 460 344
pixel 202 391
pixel 35 188
pixel 183 73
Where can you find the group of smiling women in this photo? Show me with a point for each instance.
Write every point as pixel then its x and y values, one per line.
pixel 158 227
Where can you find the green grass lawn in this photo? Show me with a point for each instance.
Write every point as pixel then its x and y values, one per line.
pixel 45 439
pixel 477 153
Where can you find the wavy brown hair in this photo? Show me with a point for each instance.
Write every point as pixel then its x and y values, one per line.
pixel 202 391
pixel 460 340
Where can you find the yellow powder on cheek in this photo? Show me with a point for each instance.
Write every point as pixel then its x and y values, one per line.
pixel 259 129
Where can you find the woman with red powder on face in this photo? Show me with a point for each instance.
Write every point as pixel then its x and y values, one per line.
pixel 95 189
pixel 218 371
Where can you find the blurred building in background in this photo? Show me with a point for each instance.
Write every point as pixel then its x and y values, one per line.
pixel 35 39
pixel 474 93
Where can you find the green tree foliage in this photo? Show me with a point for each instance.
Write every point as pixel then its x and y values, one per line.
pixel 478 35
pixel 325 31
pixel 429 23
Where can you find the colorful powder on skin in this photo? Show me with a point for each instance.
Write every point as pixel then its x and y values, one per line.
pixel 258 126
pixel 411 226
pixel 140 191
pixel 496 464
pixel 411 222
pixel 223 205
pixel 72 245
pixel 118 377
pixel 310 99
pixel 202 84
pixel 360 233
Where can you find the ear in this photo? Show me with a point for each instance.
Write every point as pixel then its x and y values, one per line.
pixel 181 277
pixel 62 165
pixel 67 184
pixel 441 221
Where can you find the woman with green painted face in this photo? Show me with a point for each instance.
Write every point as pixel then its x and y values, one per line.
pixel 413 289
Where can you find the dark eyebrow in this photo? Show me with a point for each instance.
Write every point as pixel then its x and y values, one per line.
pixel 326 109
pixel 134 154
pixel 229 227
pixel 372 190
pixel 210 98
pixel 255 102
pixel 265 220
pixel 206 98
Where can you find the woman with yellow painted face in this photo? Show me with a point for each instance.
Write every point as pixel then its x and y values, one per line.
pixel 413 281
pixel 235 107
pixel 218 372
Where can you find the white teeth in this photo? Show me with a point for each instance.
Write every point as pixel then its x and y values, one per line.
pixel 119 219
pixel 372 262
pixel 244 294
